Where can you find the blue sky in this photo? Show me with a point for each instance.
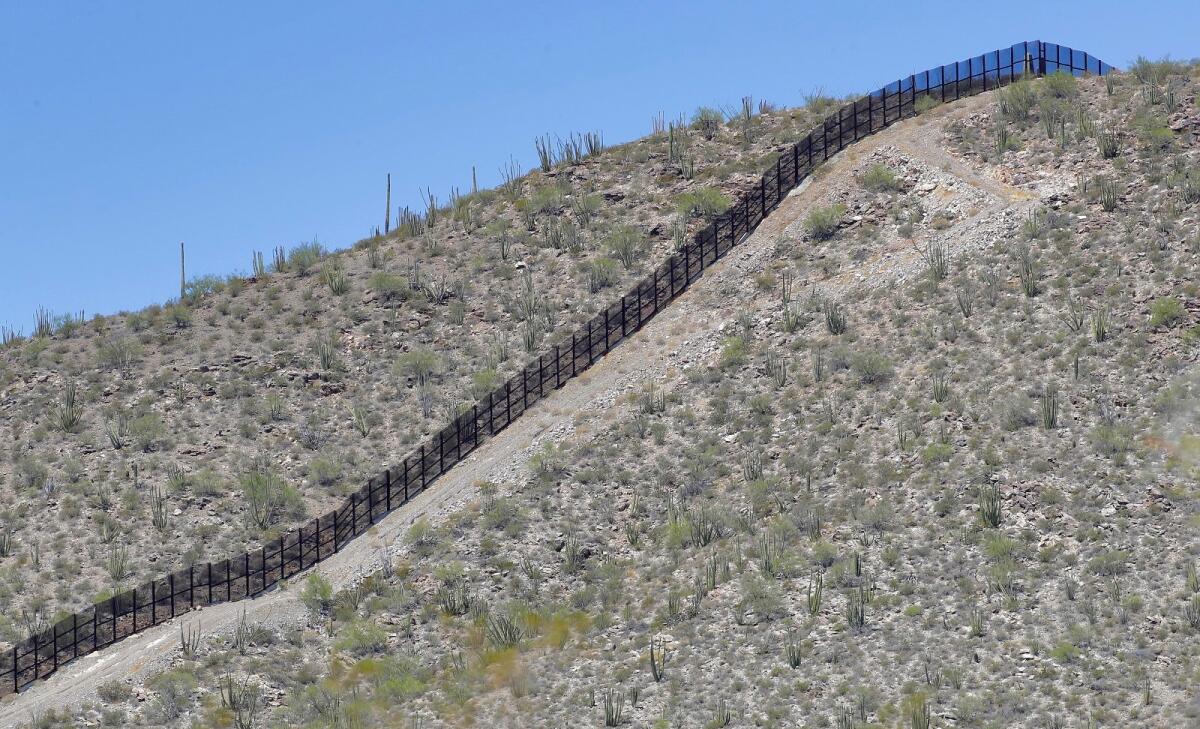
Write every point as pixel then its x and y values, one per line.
pixel 127 127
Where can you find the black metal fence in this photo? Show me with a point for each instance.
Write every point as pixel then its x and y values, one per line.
pixel 250 574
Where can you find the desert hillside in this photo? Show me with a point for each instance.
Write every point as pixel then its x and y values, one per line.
pixel 922 452
pixel 183 433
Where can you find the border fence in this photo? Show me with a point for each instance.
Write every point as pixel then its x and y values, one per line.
pixel 252 573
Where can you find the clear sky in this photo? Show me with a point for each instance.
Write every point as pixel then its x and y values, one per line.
pixel 126 127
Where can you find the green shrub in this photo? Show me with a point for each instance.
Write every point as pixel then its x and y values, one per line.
pixel 324 471
pixel 362 637
pixel 200 287
pixel 761 597
pixel 114 692
pixel 937 453
pixel 546 199
pixel 148 432
pixel 822 223
pixel 1060 85
pixel 422 537
pixel 117 351
pixel 733 352
pixel 268 498
pixel 1153 131
pixel 389 286
pixel 1166 312
pixel 174 690
pixel 317 594
pixel 926 103
pixel 304 256
pixel 602 273
pixel 879 178
pixel 420 364
pixel 1109 563
pixel 1065 652
pixel 1113 440
pixel 625 243
pixel 871 367
pixel 704 202
pixel 1156 72
pixel 205 482
pixel 1017 99
pixel 708 120
pixel 502 514
pixel 180 315
pixel 483 382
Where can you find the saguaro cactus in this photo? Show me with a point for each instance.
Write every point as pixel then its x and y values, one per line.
pixel 387 216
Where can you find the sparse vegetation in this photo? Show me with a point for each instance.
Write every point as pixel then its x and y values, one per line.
pixel 822 223
pixel 867 482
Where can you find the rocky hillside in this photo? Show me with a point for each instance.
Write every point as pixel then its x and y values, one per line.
pixel 187 432
pixel 922 453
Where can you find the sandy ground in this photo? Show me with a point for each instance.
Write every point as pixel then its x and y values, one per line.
pixel 676 337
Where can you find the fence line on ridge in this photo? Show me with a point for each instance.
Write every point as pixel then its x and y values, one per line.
pixel 251 573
